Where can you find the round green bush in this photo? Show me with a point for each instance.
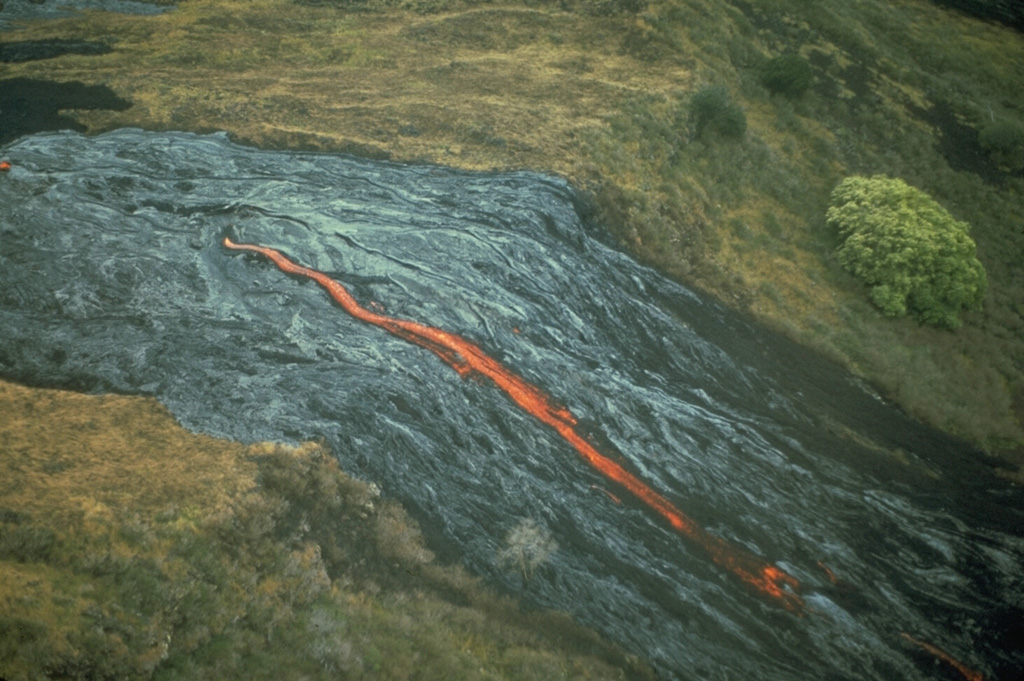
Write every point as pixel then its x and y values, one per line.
pixel 1004 142
pixel 913 255
pixel 789 75
pixel 713 111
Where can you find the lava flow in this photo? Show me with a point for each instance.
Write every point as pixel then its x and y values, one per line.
pixel 466 357
pixel 940 654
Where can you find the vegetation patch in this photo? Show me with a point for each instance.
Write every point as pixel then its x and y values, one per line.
pixel 131 549
pixel 1004 141
pixel 914 256
pixel 789 75
pixel 714 113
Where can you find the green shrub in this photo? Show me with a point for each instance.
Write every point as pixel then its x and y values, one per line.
pixel 1004 142
pixel 789 75
pixel 913 255
pixel 713 111
pixel 26 543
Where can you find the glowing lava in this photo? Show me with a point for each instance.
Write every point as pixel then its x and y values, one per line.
pixel 466 357
pixel 940 654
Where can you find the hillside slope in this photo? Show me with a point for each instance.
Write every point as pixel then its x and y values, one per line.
pixel 132 549
pixel 600 91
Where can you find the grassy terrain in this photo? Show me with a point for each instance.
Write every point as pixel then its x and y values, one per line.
pixel 132 549
pixel 600 93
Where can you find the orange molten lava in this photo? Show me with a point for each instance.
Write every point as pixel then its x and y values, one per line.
pixel 831 575
pixel 967 672
pixel 466 357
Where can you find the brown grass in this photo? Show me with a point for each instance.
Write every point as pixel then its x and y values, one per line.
pixel 482 88
pixel 73 455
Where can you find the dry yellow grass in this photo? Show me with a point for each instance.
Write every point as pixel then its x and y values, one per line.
pixel 483 88
pixel 67 455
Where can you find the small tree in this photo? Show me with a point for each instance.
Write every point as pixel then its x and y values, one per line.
pixel 1004 142
pixel 712 110
pixel 788 74
pixel 913 255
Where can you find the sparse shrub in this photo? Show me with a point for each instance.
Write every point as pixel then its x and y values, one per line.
pixel 527 546
pixel 1004 142
pixel 913 255
pixel 789 75
pixel 713 111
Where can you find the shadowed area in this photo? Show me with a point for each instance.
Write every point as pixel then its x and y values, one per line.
pixel 1009 12
pixel 31 50
pixel 28 105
